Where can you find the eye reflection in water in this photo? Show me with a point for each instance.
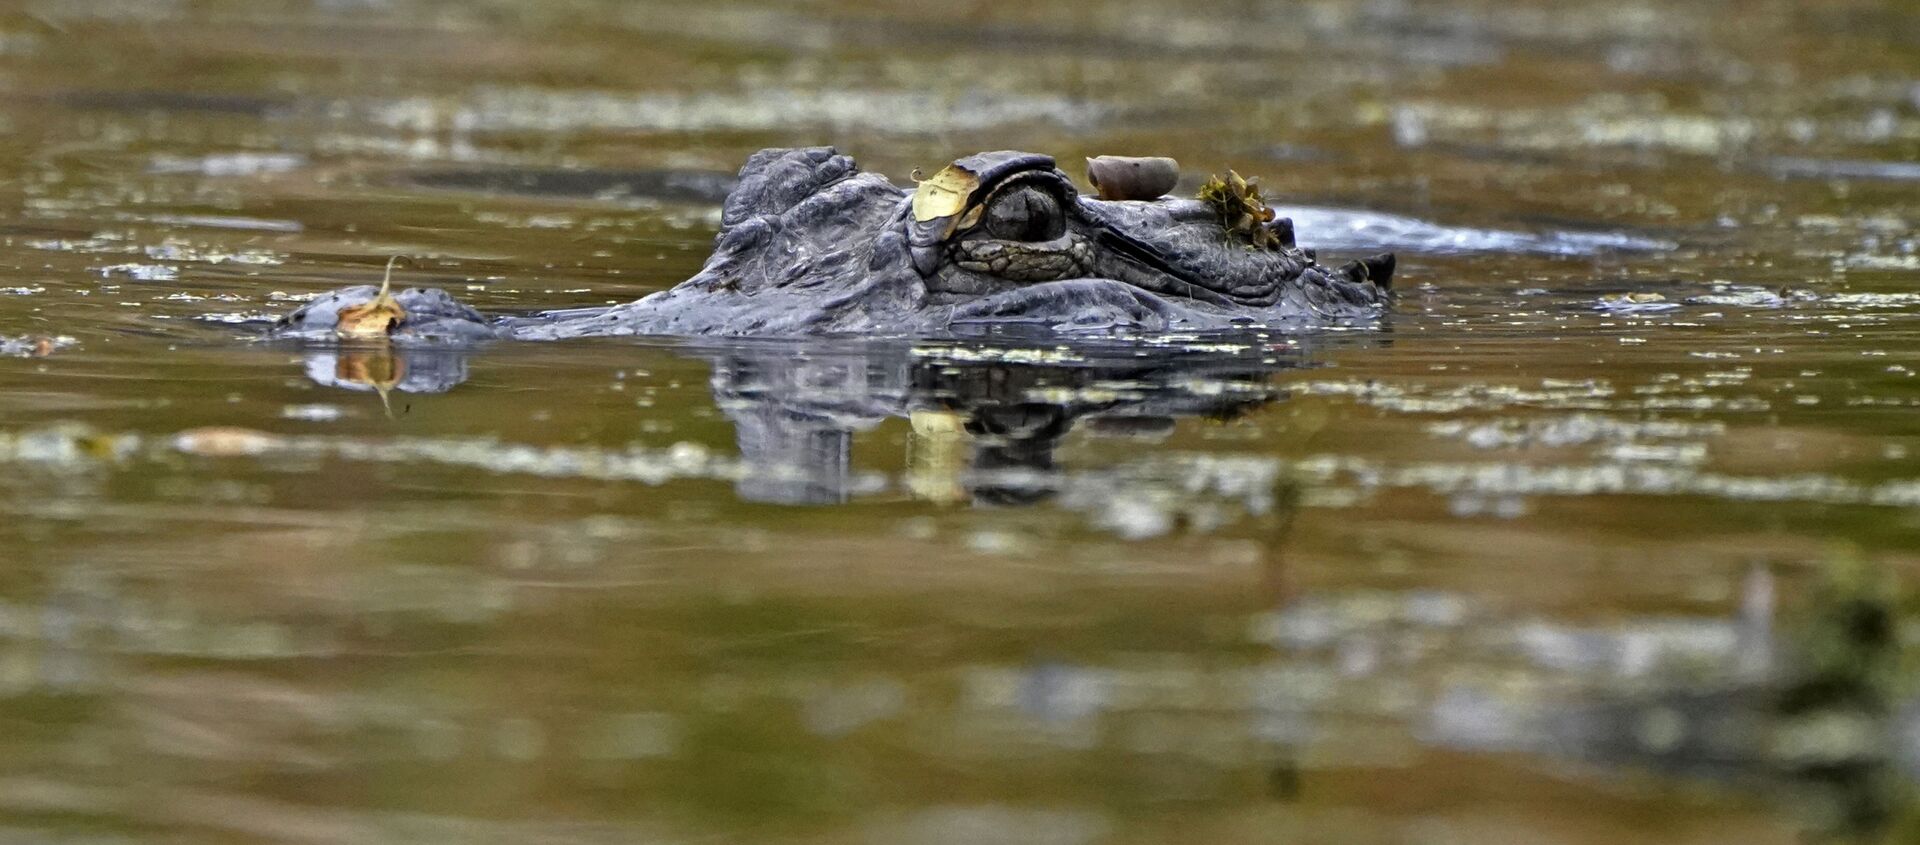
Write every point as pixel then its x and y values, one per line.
pixel 1818 710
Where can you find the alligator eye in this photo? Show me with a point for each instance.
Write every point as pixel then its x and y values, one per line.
pixel 1025 213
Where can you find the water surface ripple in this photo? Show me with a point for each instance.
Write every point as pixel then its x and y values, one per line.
pixel 1603 535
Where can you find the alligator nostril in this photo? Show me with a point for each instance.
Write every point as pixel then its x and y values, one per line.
pixel 1282 230
pixel 1380 268
pixel 1377 269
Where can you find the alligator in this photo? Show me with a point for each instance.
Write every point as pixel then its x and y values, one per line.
pixel 811 245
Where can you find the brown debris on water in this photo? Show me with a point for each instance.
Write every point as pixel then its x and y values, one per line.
pixel 219 441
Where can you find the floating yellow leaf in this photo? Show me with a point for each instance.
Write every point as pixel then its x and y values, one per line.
pixel 375 318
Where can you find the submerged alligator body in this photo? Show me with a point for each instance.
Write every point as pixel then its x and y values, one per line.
pixel 810 245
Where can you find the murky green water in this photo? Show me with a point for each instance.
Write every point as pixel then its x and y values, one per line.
pixel 1521 565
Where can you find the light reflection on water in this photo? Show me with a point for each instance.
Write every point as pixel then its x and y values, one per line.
pixel 1549 555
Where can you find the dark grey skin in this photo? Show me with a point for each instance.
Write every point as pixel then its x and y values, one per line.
pixel 809 245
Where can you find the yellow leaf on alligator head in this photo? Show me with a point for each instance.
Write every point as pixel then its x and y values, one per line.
pixel 945 194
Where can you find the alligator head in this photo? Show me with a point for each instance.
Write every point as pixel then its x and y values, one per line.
pixel 809 244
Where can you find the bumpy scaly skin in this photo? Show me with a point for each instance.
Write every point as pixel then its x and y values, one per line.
pixel 809 245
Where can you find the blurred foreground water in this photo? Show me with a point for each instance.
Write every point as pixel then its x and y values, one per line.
pixel 1604 536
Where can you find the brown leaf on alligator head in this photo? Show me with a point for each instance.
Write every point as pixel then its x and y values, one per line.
pixel 375 318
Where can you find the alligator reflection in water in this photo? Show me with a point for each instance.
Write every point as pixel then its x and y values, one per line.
pixel 987 430
pixel 383 369
pixel 986 423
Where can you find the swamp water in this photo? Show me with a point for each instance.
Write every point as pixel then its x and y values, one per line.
pixel 1600 537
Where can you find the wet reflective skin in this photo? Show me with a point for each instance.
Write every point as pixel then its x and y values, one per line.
pixel 1598 531
pixel 809 245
